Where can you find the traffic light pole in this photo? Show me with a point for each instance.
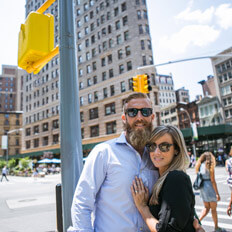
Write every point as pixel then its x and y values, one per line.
pixel 70 127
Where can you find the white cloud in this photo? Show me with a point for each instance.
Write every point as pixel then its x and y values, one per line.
pixel 192 35
pixel 224 16
pixel 197 15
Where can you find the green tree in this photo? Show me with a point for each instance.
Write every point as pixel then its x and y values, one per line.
pixel 25 162
pixel 2 163
pixel 11 163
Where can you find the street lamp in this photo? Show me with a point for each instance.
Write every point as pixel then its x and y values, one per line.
pixel 7 149
pixel 191 125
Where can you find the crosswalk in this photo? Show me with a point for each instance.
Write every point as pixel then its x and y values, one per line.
pixel 224 221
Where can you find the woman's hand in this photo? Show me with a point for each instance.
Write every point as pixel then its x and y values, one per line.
pixel 197 226
pixel 140 193
pixel 218 197
pixel 229 210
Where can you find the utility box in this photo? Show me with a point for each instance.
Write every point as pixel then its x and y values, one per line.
pixel 36 39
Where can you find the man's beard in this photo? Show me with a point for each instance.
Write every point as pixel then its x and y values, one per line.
pixel 138 137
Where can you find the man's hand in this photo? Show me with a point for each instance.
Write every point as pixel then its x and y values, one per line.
pixel 197 226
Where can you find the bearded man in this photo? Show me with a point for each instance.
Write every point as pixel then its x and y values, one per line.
pixel 102 201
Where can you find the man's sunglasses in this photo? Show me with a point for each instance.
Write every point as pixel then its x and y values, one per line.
pixel 163 147
pixel 132 112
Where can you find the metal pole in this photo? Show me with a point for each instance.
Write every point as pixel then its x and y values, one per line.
pixel 70 130
pixel 7 150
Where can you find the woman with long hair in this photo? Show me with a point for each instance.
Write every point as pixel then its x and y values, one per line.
pixel 229 180
pixel 171 205
pixel 209 191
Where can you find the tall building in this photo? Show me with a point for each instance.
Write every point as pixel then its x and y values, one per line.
pixel 11 88
pixel 208 86
pixel 166 89
pixel 222 66
pixel 11 125
pixel 113 40
pixel 182 95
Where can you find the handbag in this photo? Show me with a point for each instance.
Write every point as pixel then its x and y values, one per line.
pixel 198 181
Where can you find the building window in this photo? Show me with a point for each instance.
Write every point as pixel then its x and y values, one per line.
pixel 142 45
pixel 82 133
pixel 110 59
pixel 124 21
pixel 93 113
pixel 121 69
pixel 36 142
pixel 128 50
pixel 119 39
pixel 110 109
pixel 95 96
pixel 139 14
pixel 81 101
pixel 28 144
pixel 111 73
pixel 140 29
pixel 95 80
pixel 112 92
pixel 103 62
pixel 94 131
pixel 129 65
pixel 105 94
pixel 120 54
pixel 111 127
pixel 126 35
pixel 28 131
pixel 123 6
pixel 116 11
pixel 123 86
pixel 103 76
pixel 117 25
pixel 45 141
pixel 45 126
pixel 144 60
pixel 55 124
pixel 55 139
pixel 36 130
pixel 89 98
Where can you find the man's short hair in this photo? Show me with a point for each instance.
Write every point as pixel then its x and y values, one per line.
pixel 132 96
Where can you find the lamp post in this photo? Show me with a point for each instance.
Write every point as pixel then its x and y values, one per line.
pixel 191 125
pixel 7 150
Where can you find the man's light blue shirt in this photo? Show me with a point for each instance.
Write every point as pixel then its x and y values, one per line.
pixel 103 201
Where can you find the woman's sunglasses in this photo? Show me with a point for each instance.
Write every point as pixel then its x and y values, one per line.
pixel 132 112
pixel 163 147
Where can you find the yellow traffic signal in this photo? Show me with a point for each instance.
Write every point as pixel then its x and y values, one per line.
pixel 136 84
pixel 146 88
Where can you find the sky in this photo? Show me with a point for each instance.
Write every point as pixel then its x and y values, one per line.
pixel 180 29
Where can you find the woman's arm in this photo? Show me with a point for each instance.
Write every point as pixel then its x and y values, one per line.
pixel 140 195
pixel 226 166
pixel 212 178
pixel 229 206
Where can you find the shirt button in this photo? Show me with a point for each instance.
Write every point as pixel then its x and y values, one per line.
pixel 141 228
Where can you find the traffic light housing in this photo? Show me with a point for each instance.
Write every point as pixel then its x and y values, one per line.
pixel 141 83
pixel 36 40
pixel 136 84
pixel 146 87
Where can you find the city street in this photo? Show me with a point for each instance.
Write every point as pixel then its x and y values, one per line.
pixel 28 205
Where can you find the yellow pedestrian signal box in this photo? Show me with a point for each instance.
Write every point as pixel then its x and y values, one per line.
pixel 36 40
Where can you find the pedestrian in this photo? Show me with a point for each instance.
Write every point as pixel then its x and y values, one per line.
pixel 209 192
pixel 229 179
pixel 4 173
pixel 102 201
pixel 171 205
